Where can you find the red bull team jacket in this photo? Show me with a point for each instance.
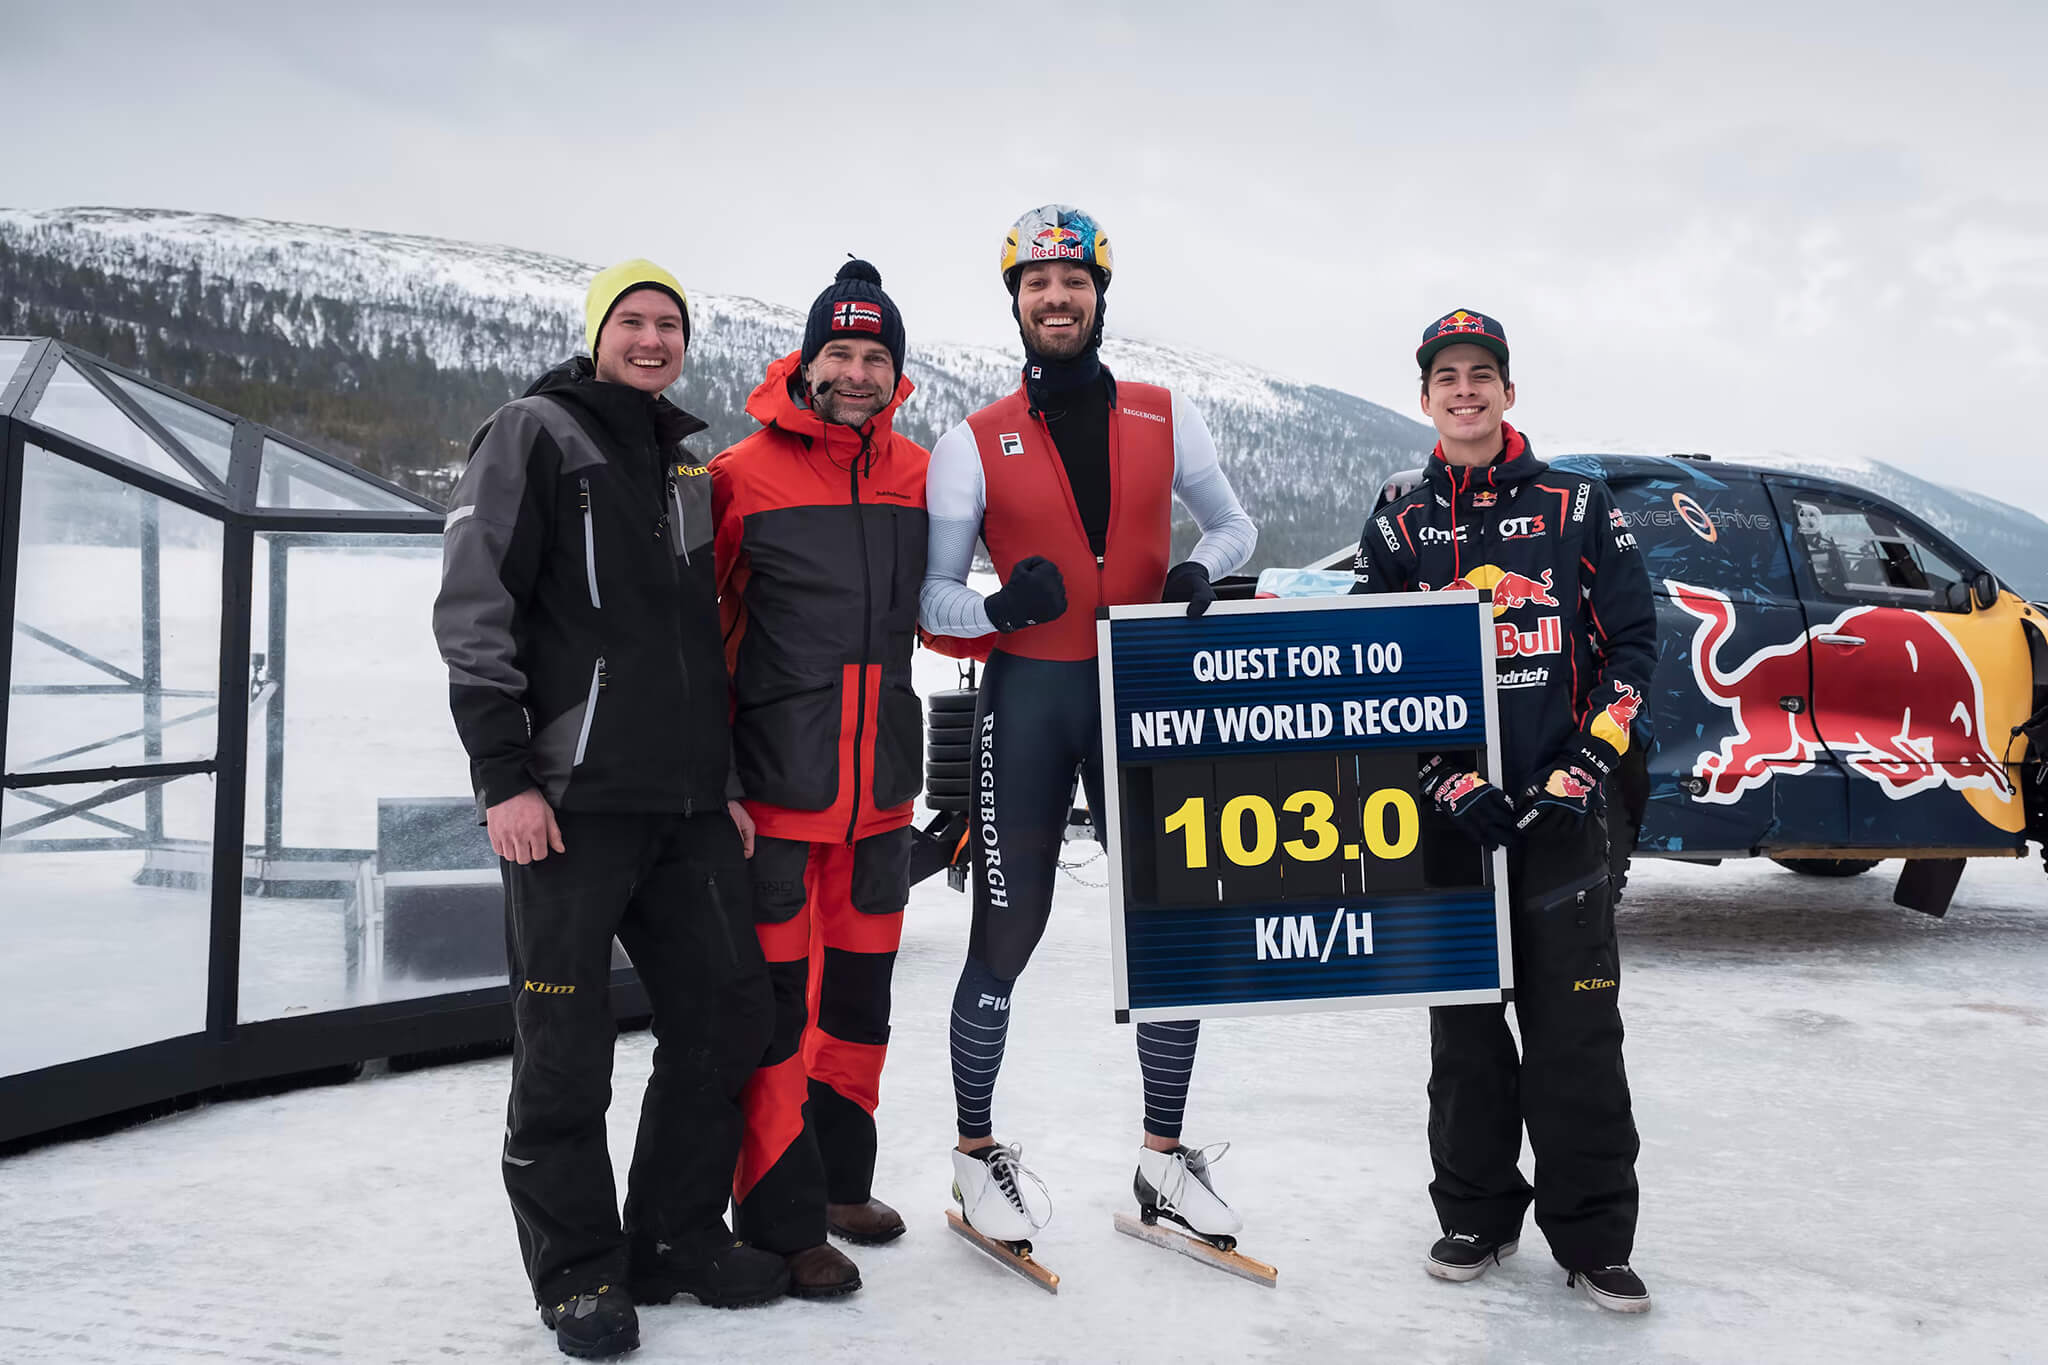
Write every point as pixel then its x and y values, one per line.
pixel 1575 626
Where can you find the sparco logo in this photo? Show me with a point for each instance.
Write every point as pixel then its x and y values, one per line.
pixel 1387 533
pixel 1579 503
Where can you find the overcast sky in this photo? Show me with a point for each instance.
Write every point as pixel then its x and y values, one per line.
pixel 1820 229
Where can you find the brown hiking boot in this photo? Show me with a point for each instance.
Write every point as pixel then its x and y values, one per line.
pixel 868 1224
pixel 821 1272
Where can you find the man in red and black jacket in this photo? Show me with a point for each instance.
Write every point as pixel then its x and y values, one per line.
pixel 1576 637
pixel 820 550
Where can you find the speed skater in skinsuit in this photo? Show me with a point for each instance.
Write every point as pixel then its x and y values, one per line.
pixel 1070 483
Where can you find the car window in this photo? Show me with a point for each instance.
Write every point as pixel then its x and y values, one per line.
pixel 1706 532
pixel 1858 552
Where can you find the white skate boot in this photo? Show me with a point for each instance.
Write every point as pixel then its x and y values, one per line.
pixel 1179 1186
pixel 999 1196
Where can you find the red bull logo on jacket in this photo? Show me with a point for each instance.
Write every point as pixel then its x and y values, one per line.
pixel 1923 731
pixel 1510 592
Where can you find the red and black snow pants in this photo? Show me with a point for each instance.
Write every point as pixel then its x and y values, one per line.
pixel 830 918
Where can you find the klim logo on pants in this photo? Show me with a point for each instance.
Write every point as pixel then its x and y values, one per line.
pixel 549 988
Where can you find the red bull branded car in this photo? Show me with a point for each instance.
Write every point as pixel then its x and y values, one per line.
pixel 1837 682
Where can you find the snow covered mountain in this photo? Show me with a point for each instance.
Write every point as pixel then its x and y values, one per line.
pixel 368 314
pixel 390 348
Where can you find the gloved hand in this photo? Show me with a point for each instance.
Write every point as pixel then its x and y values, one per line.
pixel 1188 582
pixel 1034 595
pixel 1572 782
pixel 1481 811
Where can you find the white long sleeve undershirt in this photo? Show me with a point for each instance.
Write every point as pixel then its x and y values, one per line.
pixel 956 498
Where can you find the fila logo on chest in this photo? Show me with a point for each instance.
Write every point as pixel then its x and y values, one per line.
pixel 1011 442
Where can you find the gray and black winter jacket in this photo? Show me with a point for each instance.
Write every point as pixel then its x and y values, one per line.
pixel 578 613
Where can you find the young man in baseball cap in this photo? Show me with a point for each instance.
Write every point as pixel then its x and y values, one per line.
pixel 1577 641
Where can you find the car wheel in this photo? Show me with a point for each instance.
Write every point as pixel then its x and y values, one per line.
pixel 1827 867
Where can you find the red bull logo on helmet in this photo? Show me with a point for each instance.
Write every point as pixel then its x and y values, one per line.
pixel 1055 243
pixel 1923 730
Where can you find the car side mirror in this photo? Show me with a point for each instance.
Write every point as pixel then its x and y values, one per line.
pixel 1984 588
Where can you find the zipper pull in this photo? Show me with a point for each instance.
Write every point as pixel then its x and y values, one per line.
pixel 600 673
pixel 583 497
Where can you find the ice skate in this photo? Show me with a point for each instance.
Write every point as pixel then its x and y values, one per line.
pixel 1001 1203
pixel 1180 1210
pixel 1180 1187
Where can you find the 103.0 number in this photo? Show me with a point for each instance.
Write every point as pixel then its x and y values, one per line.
pixel 1320 840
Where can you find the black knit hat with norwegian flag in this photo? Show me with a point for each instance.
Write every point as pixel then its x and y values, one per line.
pixel 855 306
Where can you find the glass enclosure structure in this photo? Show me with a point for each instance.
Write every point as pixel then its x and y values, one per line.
pixel 236 836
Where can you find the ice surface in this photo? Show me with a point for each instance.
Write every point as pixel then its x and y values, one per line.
pixel 1842 1106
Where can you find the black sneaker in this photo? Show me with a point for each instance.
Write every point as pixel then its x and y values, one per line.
pixel 1465 1255
pixel 1613 1287
pixel 593 1324
pixel 737 1276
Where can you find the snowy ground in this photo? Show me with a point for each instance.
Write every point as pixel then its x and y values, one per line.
pixel 1843 1106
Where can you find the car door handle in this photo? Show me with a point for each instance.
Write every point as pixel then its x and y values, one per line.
pixel 1851 640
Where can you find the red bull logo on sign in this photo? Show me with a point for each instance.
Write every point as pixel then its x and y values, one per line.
pixel 1930 732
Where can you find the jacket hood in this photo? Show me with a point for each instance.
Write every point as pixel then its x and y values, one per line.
pixel 1515 463
pixel 619 406
pixel 772 405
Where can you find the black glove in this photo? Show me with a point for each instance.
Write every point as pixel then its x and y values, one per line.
pixel 1188 582
pixel 1481 811
pixel 1034 595
pixel 1571 782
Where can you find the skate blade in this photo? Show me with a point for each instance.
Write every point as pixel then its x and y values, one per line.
pixel 1194 1248
pixel 1017 1260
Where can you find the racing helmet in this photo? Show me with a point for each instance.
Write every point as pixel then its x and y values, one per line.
pixel 1056 232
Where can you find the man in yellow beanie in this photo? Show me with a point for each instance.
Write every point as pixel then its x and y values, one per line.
pixel 579 622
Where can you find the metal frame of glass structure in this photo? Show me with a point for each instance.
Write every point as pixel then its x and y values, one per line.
pixel 254 482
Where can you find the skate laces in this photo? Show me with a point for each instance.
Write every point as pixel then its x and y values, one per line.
pixel 1186 1162
pixel 1005 1164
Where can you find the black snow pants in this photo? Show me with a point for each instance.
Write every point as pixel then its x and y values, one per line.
pixel 1567 1086
pixel 674 890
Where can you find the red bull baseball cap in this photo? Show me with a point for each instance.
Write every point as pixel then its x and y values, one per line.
pixel 1461 326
